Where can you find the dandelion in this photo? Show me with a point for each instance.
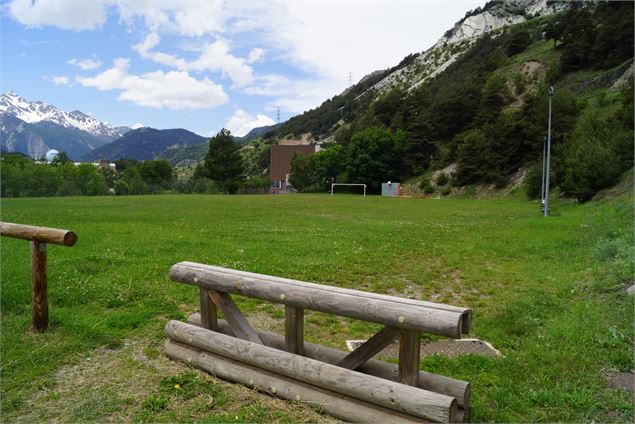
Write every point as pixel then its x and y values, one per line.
pixel 177 386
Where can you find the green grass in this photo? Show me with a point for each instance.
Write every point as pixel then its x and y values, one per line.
pixel 548 293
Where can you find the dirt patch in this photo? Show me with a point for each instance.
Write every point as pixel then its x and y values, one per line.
pixel 305 139
pixel 620 380
pixel 126 384
pixel 526 79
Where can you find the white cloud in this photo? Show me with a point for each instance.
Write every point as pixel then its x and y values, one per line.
pixel 59 80
pixel 189 18
pixel 242 122
pixel 256 55
pixel 65 14
pixel 85 64
pixel 292 95
pixel 174 90
pixel 214 57
pixel 323 43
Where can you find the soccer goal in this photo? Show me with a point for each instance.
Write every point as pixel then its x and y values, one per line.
pixel 343 184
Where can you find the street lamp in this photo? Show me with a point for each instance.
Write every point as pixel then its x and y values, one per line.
pixel 542 182
pixel 547 164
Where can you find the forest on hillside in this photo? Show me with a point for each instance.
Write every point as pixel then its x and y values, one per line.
pixel 487 113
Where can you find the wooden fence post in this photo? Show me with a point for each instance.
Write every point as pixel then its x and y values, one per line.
pixel 39 286
pixel 209 318
pixel 409 356
pixel 294 329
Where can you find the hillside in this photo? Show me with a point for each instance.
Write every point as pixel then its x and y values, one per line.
pixel 145 144
pixel 478 101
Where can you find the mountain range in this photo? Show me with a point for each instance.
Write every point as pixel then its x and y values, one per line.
pixel 33 128
pixel 145 144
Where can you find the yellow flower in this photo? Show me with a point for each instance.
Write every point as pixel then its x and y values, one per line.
pixel 177 386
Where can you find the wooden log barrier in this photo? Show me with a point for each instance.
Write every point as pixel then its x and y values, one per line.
pixel 465 312
pixel 39 237
pixel 385 310
pixel 406 399
pixel 433 382
pixel 343 407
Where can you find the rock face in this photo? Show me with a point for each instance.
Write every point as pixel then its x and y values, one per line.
pixel 460 38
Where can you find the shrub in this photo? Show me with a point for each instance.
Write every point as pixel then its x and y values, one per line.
pixel 533 181
pixel 442 179
pixel 426 186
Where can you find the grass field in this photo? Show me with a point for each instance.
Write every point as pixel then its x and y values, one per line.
pixel 548 293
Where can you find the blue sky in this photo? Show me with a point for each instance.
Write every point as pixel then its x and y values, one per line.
pixel 204 65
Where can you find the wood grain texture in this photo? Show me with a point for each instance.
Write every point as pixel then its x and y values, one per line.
pixel 370 348
pixel 383 311
pixel 209 316
pixel 43 234
pixel 339 406
pixel 39 286
pixel 406 399
pixel 294 330
pixel 409 355
pixel 236 320
pixel 464 311
pixel 458 389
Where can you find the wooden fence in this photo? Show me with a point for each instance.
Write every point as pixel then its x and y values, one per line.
pixel 39 237
pixel 351 386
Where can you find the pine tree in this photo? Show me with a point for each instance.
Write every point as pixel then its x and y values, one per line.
pixel 223 163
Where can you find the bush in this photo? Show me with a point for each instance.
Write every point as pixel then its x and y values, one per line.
pixel 205 186
pixel 121 187
pixel 426 186
pixel 442 179
pixel 533 181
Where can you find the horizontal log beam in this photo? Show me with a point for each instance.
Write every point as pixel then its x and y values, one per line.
pixel 41 234
pixel 342 407
pixel 466 313
pixel 406 399
pixel 388 312
pixel 458 389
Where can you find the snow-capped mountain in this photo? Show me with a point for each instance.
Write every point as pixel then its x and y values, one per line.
pixel 32 112
pixel 33 128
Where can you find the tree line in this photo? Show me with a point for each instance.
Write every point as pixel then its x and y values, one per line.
pixel 222 171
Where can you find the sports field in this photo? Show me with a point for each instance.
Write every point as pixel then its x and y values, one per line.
pixel 548 293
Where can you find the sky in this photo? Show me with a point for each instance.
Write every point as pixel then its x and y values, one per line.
pixel 206 65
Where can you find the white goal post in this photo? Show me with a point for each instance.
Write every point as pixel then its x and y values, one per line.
pixel 344 184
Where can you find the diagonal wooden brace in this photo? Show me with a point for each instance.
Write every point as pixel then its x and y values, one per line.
pixel 370 348
pixel 236 320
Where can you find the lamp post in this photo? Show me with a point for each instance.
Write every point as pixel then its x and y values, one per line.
pixel 547 164
pixel 542 182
